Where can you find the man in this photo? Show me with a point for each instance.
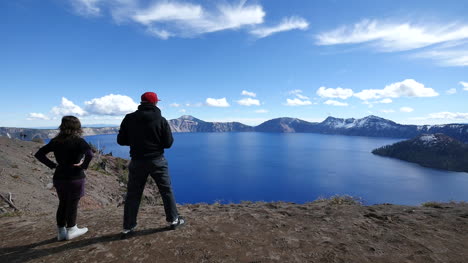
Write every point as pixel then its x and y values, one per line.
pixel 148 134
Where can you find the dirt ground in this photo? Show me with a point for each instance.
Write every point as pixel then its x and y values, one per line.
pixel 250 232
pixel 321 231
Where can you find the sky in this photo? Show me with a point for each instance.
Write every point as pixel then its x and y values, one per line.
pixel 245 61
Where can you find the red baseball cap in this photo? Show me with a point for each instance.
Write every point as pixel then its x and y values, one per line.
pixel 149 97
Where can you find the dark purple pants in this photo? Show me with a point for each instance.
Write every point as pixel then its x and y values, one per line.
pixel 69 193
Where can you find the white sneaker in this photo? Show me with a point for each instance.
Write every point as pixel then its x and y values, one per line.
pixel 180 221
pixel 73 232
pixel 62 233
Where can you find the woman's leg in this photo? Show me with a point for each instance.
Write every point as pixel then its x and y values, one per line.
pixel 61 213
pixel 71 211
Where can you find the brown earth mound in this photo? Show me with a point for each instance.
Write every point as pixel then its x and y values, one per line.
pixel 333 230
pixel 28 183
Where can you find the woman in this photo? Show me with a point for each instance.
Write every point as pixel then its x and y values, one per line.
pixel 69 177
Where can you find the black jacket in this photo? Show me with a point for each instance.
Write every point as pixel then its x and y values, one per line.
pixel 67 153
pixel 146 132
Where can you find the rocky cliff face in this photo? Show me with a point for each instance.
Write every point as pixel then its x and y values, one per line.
pixel 188 123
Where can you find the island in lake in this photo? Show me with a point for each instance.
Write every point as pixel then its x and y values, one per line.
pixel 430 150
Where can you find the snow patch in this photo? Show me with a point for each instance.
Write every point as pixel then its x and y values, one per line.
pixel 428 138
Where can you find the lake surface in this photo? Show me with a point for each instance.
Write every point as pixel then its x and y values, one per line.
pixel 296 167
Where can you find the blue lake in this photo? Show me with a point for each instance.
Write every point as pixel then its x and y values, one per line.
pixel 297 167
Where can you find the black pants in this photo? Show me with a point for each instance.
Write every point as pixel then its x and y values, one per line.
pixel 138 174
pixel 69 193
pixel 66 212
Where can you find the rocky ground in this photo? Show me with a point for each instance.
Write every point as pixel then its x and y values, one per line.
pixel 29 183
pixel 333 230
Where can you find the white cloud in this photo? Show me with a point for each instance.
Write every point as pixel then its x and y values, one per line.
pixel 37 116
pixel 194 104
pixel 385 101
pixel 387 111
pixel 165 19
pixel 388 36
pixel 217 102
pixel 406 109
pixel 405 88
pixel 297 102
pixel 261 111
pixel 464 84
pixel 445 43
pixel 294 92
pixel 67 107
pixel 87 7
pixel 451 91
pixel 298 93
pixel 335 103
pixel 175 105
pixel 187 19
pixel 160 33
pixel 248 93
pixel 111 105
pixel 182 111
pixel 286 24
pixel 334 93
pixel 302 97
pixel 446 57
pixel 167 11
pixel 448 116
pixel 248 102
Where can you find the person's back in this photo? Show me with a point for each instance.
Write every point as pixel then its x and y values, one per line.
pixel 148 134
pixel 69 177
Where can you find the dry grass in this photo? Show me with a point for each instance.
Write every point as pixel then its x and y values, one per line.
pixel 341 200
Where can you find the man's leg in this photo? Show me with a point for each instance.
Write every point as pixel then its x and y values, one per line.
pixel 160 174
pixel 137 175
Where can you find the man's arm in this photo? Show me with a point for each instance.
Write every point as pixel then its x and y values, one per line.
pixel 122 137
pixel 167 138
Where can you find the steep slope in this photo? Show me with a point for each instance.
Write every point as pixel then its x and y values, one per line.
pixel 29 183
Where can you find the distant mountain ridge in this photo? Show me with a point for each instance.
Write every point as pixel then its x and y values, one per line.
pixel 189 123
pixel 29 134
pixel 430 150
pixel 372 126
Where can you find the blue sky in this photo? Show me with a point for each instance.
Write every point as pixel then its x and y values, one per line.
pixel 246 61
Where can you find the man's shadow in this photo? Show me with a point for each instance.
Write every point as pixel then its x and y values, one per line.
pixel 28 252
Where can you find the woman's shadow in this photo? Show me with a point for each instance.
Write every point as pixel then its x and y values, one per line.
pixel 29 252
